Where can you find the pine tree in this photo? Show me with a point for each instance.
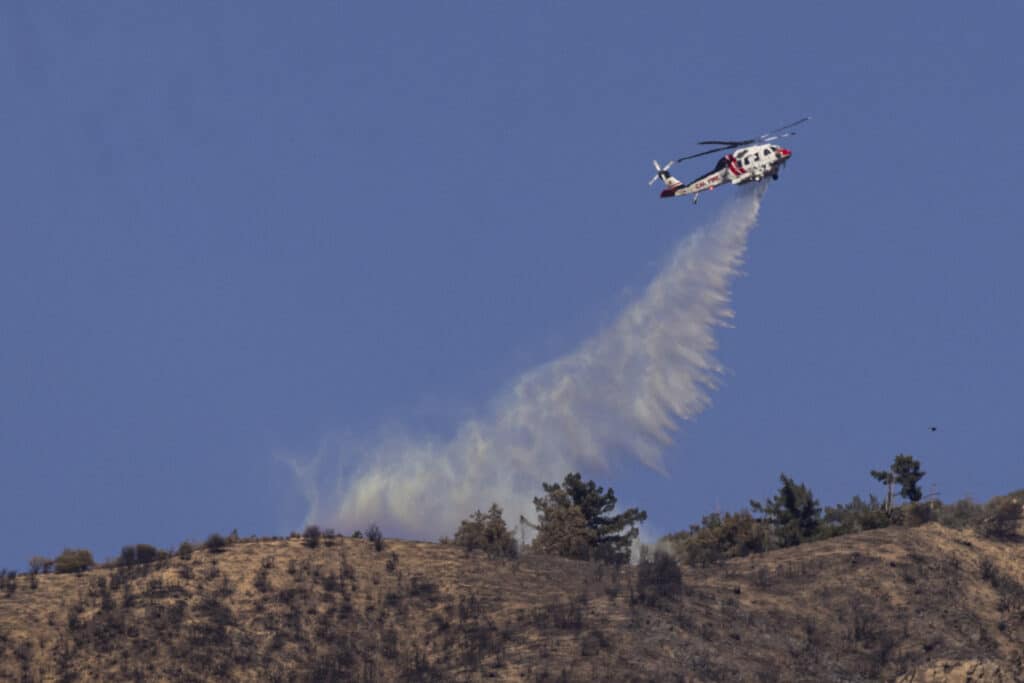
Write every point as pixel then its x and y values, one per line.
pixel 905 471
pixel 794 512
pixel 575 521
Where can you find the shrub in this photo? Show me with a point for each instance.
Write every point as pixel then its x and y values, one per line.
pixel 40 565
pixel 488 533
pixel 855 516
pixel 1010 592
pixel 658 578
pixel 311 536
pixel 262 581
pixel 73 561
pixel 1002 519
pixel 566 615
pixel 215 543
pixel 374 536
pixel 423 588
pixel 719 537
pixel 357 534
pixel 141 553
pixel 185 550
pixel 9 581
pixel 594 643
pixel 917 514
pixel 960 515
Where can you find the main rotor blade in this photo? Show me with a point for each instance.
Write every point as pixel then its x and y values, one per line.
pixel 709 151
pixel 777 137
pixel 789 125
pixel 731 143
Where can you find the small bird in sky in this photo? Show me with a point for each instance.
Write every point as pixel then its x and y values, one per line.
pixel 933 429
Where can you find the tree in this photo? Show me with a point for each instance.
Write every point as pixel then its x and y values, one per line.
pixel 73 560
pixel 905 471
pixel 575 521
pixel 141 553
pixel 311 536
pixel 215 543
pixel 40 564
pixel 374 536
pixel 793 512
pixel 487 532
pixel 563 531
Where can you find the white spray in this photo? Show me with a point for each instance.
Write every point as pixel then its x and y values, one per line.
pixel 621 393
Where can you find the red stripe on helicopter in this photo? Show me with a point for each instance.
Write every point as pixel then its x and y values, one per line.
pixel 734 168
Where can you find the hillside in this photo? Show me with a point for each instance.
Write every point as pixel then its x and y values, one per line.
pixel 917 604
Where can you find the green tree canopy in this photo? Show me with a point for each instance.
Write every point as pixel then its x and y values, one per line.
pixel 793 512
pixel 575 520
pixel 487 532
pixel 73 560
pixel 905 471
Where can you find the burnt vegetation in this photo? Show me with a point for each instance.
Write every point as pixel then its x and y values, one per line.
pixel 867 590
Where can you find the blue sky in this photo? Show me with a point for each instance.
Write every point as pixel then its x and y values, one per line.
pixel 234 234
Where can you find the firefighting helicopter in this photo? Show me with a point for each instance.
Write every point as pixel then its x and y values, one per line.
pixel 753 160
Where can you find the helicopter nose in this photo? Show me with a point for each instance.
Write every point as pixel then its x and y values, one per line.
pixel 784 153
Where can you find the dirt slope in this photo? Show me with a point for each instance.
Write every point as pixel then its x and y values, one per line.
pixel 924 604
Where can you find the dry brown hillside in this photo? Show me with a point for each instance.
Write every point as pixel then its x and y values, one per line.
pixel 922 604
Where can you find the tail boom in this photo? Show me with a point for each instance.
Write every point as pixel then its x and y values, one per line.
pixel 705 182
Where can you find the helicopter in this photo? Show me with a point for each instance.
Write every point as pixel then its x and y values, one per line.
pixel 753 160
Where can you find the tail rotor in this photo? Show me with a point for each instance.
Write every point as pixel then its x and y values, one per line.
pixel 662 172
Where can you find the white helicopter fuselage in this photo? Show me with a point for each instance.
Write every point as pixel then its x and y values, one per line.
pixel 752 161
pixel 745 165
pixel 757 161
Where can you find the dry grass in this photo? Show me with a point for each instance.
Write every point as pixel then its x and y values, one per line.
pixel 873 606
